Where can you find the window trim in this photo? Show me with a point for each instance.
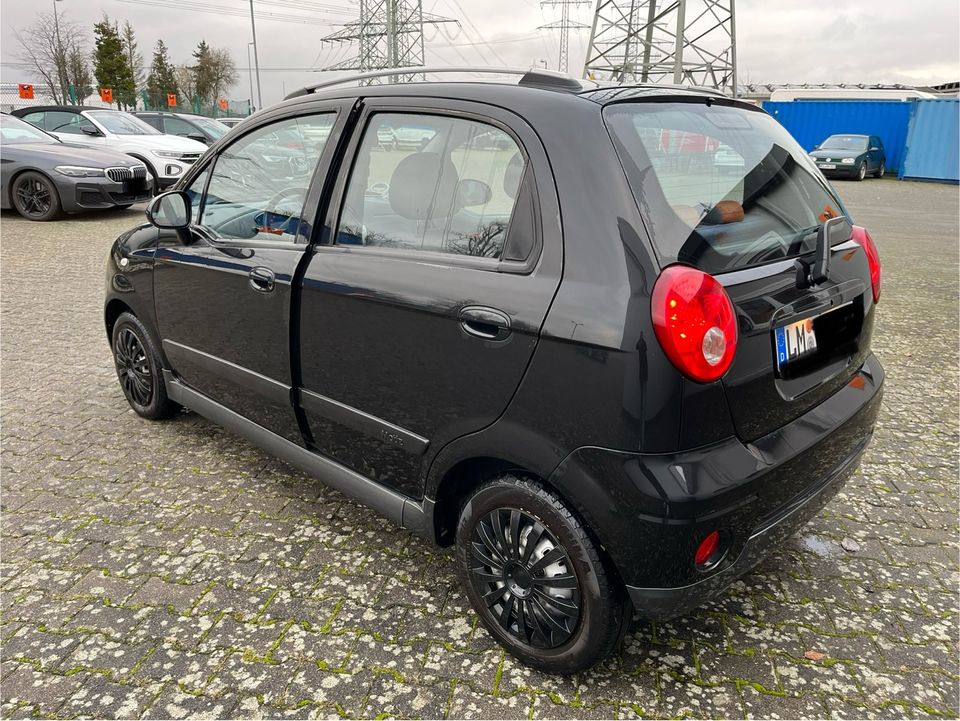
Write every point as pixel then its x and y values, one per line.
pixel 324 165
pixel 465 110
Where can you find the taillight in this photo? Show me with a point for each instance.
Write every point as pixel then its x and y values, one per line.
pixel 694 322
pixel 861 236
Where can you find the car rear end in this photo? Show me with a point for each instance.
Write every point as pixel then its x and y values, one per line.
pixel 737 214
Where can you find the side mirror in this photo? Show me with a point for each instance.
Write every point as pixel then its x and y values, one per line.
pixel 874 148
pixel 170 210
pixel 817 146
pixel 90 130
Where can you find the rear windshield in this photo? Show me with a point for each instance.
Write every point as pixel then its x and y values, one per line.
pixel 720 187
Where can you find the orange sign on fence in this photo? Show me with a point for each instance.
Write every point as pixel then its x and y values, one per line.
pixel 106 95
pixel 26 91
pixel 172 100
pixel 224 104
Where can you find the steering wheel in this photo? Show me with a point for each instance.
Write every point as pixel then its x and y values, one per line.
pixel 292 194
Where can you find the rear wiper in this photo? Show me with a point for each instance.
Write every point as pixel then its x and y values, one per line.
pixel 813 273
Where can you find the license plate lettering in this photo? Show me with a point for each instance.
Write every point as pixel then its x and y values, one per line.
pixel 828 166
pixel 794 341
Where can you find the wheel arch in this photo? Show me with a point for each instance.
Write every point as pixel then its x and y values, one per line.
pixel 30 169
pixel 114 308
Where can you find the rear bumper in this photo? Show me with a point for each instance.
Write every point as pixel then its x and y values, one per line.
pixel 652 511
pixel 666 603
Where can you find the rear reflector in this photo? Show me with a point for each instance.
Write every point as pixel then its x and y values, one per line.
pixel 694 322
pixel 707 550
pixel 862 237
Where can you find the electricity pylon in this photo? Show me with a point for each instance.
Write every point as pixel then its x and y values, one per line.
pixel 564 24
pixel 388 33
pixel 689 42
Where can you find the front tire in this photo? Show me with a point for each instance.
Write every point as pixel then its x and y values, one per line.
pixel 139 369
pixel 536 578
pixel 35 197
pixel 862 170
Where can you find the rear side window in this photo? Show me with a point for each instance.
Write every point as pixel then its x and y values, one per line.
pixel 178 126
pixel 432 183
pixel 151 120
pixel 721 188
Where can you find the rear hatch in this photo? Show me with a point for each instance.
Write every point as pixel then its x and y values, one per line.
pixel 724 188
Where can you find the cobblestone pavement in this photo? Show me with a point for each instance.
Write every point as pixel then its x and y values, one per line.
pixel 173 570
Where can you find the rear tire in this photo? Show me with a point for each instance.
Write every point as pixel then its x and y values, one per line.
pixel 881 170
pixel 536 578
pixel 35 197
pixel 139 369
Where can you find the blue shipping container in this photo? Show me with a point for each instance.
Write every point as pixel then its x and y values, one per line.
pixel 811 121
pixel 933 142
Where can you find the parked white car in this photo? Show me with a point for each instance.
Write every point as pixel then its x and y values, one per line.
pixel 167 157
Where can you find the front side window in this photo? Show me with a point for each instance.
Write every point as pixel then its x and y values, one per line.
pixel 152 120
pixel 432 183
pixel 177 126
pixel 259 183
pixel 721 187
pixel 58 121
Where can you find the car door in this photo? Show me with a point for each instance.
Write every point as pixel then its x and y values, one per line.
pixel 422 308
pixel 222 289
pixel 876 152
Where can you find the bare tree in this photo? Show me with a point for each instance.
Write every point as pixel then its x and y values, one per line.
pixel 45 46
pixel 223 72
pixel 186 81
pixel 79 74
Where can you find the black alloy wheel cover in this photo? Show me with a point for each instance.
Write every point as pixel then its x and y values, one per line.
pixel 525 578
pixel 133 367
pixel 33 197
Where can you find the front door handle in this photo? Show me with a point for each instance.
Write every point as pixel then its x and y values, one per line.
pixel 261 279
pixel 487 323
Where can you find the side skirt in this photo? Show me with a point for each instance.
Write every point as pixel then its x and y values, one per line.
pixel 417 516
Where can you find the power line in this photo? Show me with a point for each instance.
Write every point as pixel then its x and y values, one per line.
pixel 564 25
pixel 190 6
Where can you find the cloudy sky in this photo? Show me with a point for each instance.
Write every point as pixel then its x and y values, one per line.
pixel 892 41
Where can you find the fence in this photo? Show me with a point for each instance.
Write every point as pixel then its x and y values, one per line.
pixel 920 137
pixel 10 100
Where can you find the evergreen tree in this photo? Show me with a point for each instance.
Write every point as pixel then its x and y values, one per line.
pixel 162 79
pixel 204 73
pixel 111 65
pixel 134 58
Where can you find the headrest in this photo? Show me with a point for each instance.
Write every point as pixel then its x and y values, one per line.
pixel 416 191
pixel 512 175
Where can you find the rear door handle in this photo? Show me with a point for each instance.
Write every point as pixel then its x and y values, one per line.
pixel 487 323
pixel 261 279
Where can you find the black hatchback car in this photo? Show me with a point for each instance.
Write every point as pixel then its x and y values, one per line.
pixel 554 335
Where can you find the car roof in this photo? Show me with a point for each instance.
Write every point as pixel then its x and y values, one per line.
pixel 533 82
pixel 45 108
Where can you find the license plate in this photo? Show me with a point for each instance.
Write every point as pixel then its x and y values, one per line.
pixel 827 166
pixel 794 341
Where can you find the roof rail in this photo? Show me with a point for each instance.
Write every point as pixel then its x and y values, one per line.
pixel 530 77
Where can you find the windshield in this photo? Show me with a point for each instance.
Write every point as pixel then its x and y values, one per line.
pixel 214 127
pixel 121 123
pixel 13 131
pixel 845 142
pixel 720 187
